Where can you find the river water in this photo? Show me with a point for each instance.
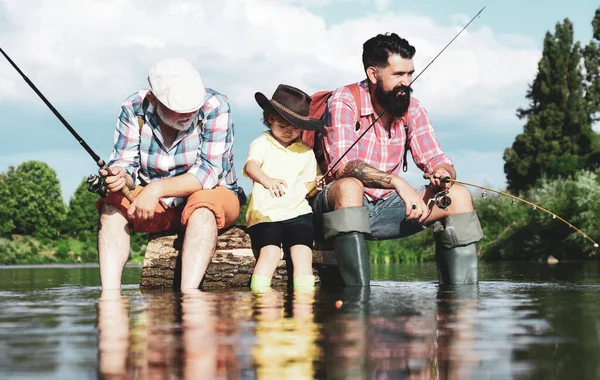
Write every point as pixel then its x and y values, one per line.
pixel 524 320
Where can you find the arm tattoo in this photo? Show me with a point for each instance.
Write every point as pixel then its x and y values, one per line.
pixel 368 175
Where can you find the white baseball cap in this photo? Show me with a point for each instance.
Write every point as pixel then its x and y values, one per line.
pixel 177 85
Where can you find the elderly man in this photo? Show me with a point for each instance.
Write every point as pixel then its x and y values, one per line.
pixel 366 196
pixel 173 151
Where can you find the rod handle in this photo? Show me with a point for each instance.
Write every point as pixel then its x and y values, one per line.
pixel 124 190
pixel 127 193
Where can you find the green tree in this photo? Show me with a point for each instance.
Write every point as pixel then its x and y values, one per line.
pixel 82 216
pixel 558 138
pixel 591 55
pixel 7 208
pixel 39 209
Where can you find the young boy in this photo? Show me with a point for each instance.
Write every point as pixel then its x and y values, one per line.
pixel 284 170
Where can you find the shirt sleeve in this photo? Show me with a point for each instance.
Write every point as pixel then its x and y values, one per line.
pixel 339 130
pixel 424 146
pixel 126 153
pixel 256 152
pixel 215 155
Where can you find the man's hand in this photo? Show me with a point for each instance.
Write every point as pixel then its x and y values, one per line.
pixel 435 179
pixel 415 206
pixel 144 204
pixel 275 186
pixel 115 177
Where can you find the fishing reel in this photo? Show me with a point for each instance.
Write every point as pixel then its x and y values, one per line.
pixel 442 200
pixel 96 184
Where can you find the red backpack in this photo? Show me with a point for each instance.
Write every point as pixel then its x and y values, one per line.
pixel 319 104
pixel 317 109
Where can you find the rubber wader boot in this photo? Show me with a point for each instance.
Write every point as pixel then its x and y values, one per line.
pixel 456 239
pixel 346 226
pixel 353 259
pixel 458 265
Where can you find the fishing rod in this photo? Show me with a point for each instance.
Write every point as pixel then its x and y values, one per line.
pixel 410 84
pixel 514 198
pixel 95 183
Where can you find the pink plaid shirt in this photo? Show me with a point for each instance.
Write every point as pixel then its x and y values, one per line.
pixel 377 148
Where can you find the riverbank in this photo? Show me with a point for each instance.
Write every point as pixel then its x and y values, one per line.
pixel 23 250
pixel 512 231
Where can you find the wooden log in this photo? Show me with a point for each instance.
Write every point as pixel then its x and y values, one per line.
pixel 231 266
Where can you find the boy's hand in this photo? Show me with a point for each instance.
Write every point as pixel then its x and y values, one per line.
pixel 319 182
pixel 275 186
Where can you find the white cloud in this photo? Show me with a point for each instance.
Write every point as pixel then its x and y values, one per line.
pixel 381 5
pixel 320 3
pixel 98 52
pixel 92 53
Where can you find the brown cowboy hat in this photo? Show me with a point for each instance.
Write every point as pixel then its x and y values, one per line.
pixel 292 104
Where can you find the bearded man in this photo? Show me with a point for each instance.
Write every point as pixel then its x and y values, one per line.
pixel 366 196
pixel 174 150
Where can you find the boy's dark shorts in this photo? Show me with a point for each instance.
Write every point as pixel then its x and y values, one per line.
pixel 286 233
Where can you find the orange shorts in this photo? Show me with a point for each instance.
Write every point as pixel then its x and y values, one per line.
pixel 221 201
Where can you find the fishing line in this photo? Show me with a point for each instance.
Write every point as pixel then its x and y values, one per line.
pixel 515 198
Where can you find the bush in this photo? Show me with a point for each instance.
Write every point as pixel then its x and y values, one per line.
pixel 520 233
pixel 62 250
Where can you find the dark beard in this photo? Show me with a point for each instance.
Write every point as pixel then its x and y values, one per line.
pixel 396 105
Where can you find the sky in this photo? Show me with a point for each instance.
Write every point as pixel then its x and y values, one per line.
pixel 87 56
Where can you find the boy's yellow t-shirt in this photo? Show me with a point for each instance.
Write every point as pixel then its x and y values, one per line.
pixel 295 164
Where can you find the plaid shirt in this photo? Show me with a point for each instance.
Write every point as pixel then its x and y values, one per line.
pixel 382 150
pixel 204 149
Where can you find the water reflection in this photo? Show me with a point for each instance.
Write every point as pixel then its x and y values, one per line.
pixel 545 328
pixel 388 331
pixel 113 334
pixel 383 333
pixel 269 335
pixel 455 351
pixel 371 337
pixel 286 340
pixel 170 336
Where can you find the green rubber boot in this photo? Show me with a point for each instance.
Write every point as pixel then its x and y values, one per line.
pixel 353 259
pixel 458 265
pixel 456 239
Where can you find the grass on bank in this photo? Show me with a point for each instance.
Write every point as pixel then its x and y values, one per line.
pixel 20 249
